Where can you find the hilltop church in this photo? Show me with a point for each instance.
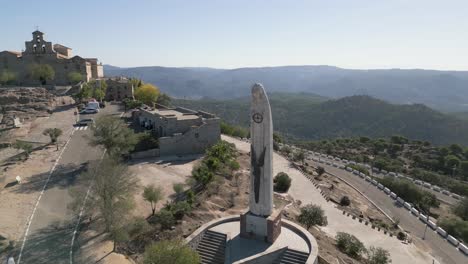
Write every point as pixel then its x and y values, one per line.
pixel 59 57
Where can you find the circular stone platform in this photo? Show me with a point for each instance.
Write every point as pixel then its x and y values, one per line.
pixel 293 238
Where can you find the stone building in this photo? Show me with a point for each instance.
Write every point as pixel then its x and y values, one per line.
pixel 119 88
pixel 180 131
pixel 59 57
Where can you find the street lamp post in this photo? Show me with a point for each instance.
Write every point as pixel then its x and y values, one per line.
pixel 427 223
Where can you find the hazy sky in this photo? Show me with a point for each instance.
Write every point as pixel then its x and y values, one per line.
pixel 363 34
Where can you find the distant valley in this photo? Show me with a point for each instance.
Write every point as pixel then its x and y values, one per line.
pixel 313 117
pixel 445 91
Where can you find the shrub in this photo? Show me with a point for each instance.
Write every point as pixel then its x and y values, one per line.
pixel 178 188
pixel 165 218
pixel 320 170
pixel 235 131
pixel 359 168
pixel 170 251
pixel 179 209
pixel 190 197
pixel 138 226
pixel 312 215
pixel 282 182
pixel 349 245
pixel 345 201
pixel 401 235
pixel 146 141
pixel 202 174
pixel 378 256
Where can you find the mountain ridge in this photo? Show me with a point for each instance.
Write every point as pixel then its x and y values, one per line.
pixel 443 90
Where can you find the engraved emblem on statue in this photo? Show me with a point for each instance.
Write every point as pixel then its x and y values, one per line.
pixel 257 118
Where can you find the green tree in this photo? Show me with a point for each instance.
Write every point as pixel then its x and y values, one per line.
pixel 299 156
pixel 456 149
pixel 131 104
pixel 464 169
pixel 378 255
pixel 118 235
pixel 42 73
pixel 152 195
pixel 350 245
pixel 451 161
pixel 170 251
pixel 112 188
pixel 25 146
pixel 114 135
pixel 54 134
pixel 85 92
pixel 75 77
pixel 461 209
pixel 7 77
pixel 282 182
pixel 99 89
pixel 147 93
pixel 312 215
pixel 164 99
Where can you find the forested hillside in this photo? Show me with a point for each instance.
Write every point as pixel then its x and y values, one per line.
pixel 310 117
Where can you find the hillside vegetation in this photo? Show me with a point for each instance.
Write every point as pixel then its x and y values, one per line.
pixel 442 90
pixel 311 117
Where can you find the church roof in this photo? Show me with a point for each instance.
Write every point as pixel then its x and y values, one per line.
pixel 17 53
pixel 62 46
pixel 37 31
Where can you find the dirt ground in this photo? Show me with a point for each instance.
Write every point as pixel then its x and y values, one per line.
pixel 229 198
pixel 335 189
pixel 160 174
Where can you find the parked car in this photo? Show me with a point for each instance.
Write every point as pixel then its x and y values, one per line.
pixel 85 122
pixel 89 111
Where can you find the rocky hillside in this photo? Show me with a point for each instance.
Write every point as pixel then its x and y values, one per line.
pixel 24 103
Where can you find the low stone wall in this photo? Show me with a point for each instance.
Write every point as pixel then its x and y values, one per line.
pixel 263 258
pixel 196 236
pixel 151 153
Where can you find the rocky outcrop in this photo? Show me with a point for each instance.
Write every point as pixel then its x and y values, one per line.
pixel 25 103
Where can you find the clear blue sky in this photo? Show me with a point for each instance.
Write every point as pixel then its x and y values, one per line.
pixel 361 34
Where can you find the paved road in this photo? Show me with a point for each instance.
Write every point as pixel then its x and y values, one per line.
pixel 440 247
pixel 52 225
pixel 440 196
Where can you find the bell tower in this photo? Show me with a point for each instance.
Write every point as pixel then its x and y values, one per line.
pixel 38 45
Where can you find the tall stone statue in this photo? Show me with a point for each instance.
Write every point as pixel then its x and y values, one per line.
pixel 261 154
pixel 262 221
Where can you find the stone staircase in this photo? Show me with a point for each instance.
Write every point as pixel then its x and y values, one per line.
pixel 212 247
pixel 291 256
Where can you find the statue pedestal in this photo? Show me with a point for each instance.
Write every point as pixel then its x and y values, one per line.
pixel 264 228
